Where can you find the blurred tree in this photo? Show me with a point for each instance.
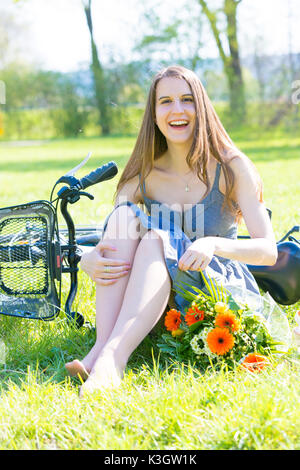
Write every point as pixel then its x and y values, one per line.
pixel 28 87
pixel 59 94
pixel 231 62
pixel 172 38
pixel 181 39
pixel 70 118
pixel 98 74
pixel 12 37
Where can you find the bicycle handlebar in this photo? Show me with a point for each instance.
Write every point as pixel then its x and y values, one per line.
pixel 103 173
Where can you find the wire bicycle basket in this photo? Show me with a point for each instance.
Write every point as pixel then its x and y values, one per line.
pixel 28 241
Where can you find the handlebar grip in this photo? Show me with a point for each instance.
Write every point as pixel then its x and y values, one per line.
pixel 103 173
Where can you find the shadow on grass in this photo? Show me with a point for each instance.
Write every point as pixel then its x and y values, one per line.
pixel 45 357
pixel 257 154
pixel 269 153
pixel 42 349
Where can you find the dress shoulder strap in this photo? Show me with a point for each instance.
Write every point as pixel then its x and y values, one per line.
pixel 217 176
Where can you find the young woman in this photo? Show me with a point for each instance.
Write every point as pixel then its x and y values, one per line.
pixel 196 185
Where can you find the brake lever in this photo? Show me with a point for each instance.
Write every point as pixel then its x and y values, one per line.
pixel 84 193
pixel 72 195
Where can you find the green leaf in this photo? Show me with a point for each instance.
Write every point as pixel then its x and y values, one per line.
pixel 195 326
pixel 184 293
pixel 189 293
pixel 211 287
pixel 232 303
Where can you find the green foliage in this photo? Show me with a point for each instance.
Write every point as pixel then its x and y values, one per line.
pixel 41 104
pixel 60 121
pixel 173 38
pixel 71 119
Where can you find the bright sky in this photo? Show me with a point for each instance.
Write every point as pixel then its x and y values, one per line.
pixel 59 39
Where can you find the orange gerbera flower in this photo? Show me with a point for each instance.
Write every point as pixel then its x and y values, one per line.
pixel 227 320
pixel 193 315
pixel 172 320
pixel 255 362
pixel 220 341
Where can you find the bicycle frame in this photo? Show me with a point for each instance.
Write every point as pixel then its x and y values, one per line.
pixel 73 259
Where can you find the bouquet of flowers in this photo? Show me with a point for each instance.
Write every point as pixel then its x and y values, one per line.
pixel 217 330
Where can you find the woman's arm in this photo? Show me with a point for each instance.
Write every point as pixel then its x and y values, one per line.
pixel 260 249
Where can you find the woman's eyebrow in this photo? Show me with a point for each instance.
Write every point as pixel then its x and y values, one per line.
pixel 163 97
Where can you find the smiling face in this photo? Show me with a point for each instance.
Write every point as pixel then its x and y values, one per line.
pixel 175 110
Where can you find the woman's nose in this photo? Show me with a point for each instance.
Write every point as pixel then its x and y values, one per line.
pixel 177 106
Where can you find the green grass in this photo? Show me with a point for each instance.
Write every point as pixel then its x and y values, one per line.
pixel 156 407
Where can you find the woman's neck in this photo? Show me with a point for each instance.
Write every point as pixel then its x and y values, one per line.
pixel 175 159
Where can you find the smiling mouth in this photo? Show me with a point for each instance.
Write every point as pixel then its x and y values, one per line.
pixel 180 124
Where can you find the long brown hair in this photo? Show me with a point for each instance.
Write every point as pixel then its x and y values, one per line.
pixel 210 138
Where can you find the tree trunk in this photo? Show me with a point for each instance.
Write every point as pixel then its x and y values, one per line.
pixel 231 62
pixel 98 75
pixel 234 69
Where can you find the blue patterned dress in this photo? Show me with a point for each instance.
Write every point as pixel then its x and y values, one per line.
pixel 179 229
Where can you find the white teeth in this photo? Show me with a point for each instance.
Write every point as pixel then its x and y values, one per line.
pixel 178 123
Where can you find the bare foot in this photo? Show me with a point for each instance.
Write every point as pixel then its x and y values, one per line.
pixel 84 367
pixel 106 374
pixel 76 368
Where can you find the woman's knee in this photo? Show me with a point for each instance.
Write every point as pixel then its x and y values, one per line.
pixel 151 250
pixel 151 242
pixel 123 224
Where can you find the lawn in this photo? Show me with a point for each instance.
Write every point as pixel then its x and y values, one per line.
pixel 156 407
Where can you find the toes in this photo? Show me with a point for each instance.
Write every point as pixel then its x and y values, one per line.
pixel 77 369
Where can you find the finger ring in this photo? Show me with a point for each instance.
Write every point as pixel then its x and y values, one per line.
pixel 107 269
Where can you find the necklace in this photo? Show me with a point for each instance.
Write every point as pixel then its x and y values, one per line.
pixel 187 188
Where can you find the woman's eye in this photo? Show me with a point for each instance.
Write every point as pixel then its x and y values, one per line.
pixel 183 100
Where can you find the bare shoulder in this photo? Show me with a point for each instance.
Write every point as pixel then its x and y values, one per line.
pixel 130 191
pixel 241 165
pixel 246 177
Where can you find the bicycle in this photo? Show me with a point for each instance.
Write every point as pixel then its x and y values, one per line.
pixel 35 252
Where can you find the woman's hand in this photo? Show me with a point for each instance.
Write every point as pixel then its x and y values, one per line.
pixel 198 255
pixel 102 270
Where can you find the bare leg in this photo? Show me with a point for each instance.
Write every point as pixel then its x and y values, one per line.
pixel 109 298
pixel 145 300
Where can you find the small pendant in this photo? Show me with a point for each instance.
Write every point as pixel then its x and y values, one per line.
pixel 187 188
